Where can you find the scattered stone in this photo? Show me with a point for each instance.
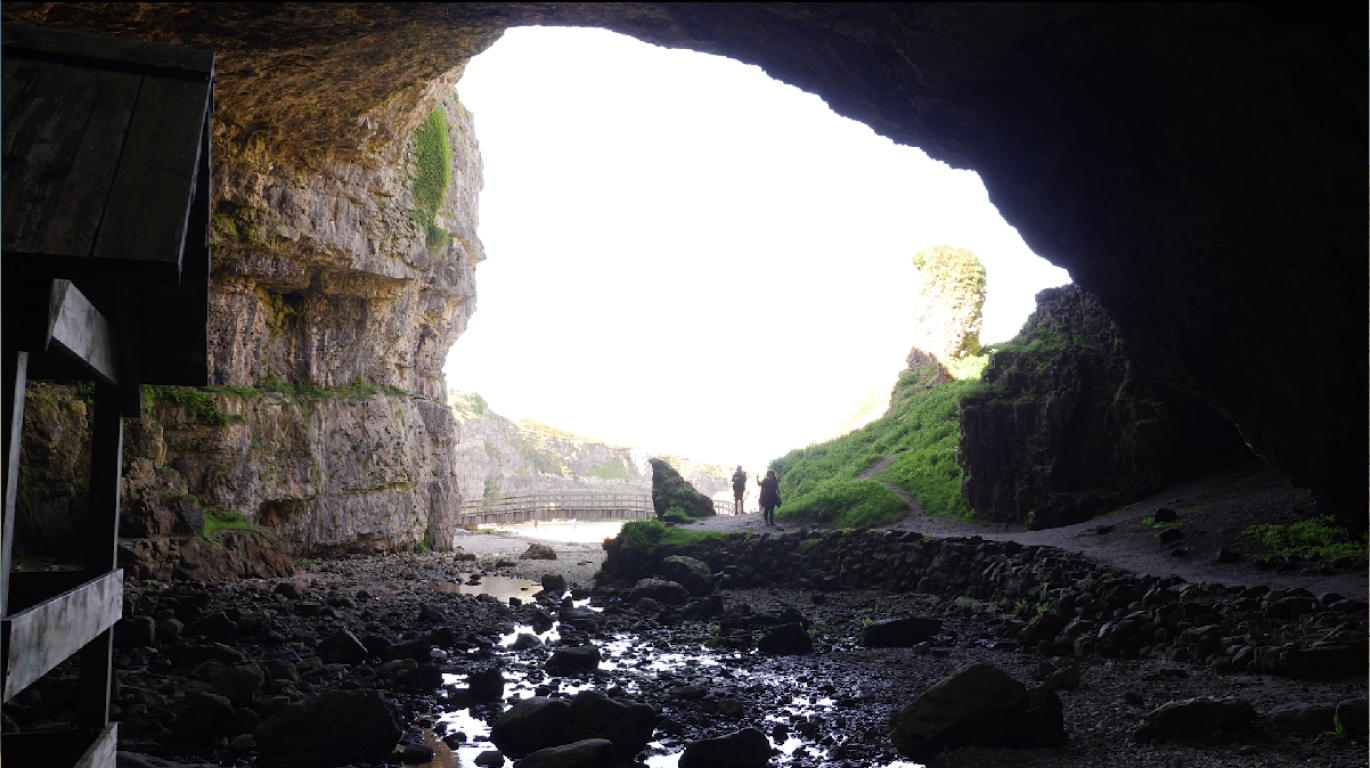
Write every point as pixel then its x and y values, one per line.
pixel 487 684
pixel 239 684
pixel 554 584
pixel 206 716
pixel 490 758
pixel 1165 515
pixel 1226 555
pixel 343 647
pixel 338 727
pixel 1354 716
pixel 1299 717
pixel 899 633
pixel 417 754
pixel 579 657
pixel 660 590
pixel 1171 535
pixel 786 640
pixel 628 726
pixel 747 748
pixel 1195 718
pixel 694 575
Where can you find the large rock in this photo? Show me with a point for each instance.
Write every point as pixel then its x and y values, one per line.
pixel 1069 426
pixel 589 753
pixel 899 633
pixel 669 489
pixel 786 640
pixel 660 590
pixel 337 727
pixel 1195 718
pixel 747 748
pixel 578 657
pixel 628 726
pixel 946 312
pixel 343 647
pixel 694 575
pixel 532 724
pixel 979 704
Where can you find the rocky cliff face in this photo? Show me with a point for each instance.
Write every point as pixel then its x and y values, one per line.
pixel 496 456
pixel 948 309
pixel 1070 427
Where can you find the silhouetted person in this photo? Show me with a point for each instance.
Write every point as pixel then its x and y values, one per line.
pixel 770 495
pixel 739 489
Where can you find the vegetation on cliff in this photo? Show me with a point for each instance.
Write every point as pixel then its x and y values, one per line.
pixel 670 490
pixel 433 173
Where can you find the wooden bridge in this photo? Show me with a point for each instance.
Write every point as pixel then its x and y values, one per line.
pixel 582 506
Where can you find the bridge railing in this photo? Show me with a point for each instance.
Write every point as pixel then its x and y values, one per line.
pixel 565 505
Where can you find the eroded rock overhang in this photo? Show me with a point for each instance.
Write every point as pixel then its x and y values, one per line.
pixel 1188 165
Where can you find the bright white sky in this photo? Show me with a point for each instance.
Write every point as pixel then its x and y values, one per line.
pixel 688 256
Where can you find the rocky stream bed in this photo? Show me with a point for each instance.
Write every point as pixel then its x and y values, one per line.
pixel 365 661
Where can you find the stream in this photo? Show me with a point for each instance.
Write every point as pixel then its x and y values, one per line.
pixel 628 662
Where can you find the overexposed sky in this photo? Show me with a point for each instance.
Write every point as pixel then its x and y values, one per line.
pixel 688 256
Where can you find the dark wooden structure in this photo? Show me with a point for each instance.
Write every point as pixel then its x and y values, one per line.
pixel 105 275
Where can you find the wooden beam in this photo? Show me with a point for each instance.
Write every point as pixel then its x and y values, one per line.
pixel 39 638
pixel 81 331
pixel 15 377
pixel 102 540
pixel 107 53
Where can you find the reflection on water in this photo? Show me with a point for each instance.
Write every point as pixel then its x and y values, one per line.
pixel 564 530
pixel 498 587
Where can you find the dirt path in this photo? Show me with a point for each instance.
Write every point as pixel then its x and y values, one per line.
pixel 1214 511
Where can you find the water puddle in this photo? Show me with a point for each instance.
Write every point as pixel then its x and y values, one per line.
pixel 499 587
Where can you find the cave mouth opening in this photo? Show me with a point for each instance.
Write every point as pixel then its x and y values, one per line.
pixel 678 243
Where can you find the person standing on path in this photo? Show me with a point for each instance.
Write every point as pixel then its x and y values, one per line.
pixel 770 495
pixel 739 489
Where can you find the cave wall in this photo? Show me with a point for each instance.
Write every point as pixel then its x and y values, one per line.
pixel 1187 164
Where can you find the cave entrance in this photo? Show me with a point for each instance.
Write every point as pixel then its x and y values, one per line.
pixel 679 244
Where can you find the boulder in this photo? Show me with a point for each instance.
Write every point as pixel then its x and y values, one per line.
pixel 747 748
pixel 487 684
pixel 899 633
pixel 338 727
pixel 343 647
pixel 628 726
pixel 538 552
pixel 204 717
pixel 1354 716
pixel 694 575
pixel 530 725
pixel 1195 718
pixel 554 584
pixel 786 640
pixel 579 657
pixel 239 684
pixel 587 753
pixel 978 704
pixel 1324 661
pixel 660 590
pixel 1300 717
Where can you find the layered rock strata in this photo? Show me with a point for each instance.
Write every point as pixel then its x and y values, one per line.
pixel 1070 427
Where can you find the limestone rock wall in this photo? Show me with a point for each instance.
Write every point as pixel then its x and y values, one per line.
pixel 1070 427
pixel 497 456
pixel 948 309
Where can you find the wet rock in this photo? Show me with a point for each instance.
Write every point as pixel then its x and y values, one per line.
pixel 660 590
pixel 747 748
pixel 1299 717
pixel 135 631
pixel 554 583
pixel 694 575
pixel 786 640
pixel 1195 718
pixel 532 724
pixel 376 645
pixel 524 641
pixel 490 758
pixel 239 684
pixel 1327 661
pixel 343 647
pixel 579 657
pixel 205 717
pixel 487 684
pixel 979 704
pixel 186 656
pixel 416 754
pixel 588 753
pixel 337 727
pixel 899 633
pixel 628 726
pixel 169 630
pixel 430 614
pixel 538 552
pixel 1354 716
pixel 1165 515
pixel 418 650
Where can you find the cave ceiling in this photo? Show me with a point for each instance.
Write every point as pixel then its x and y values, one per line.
pixel 1191 165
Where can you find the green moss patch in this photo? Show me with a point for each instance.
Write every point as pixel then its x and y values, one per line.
pixel 1318 536
pixel 433 173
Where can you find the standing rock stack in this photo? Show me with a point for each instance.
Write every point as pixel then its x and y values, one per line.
pixel 947 314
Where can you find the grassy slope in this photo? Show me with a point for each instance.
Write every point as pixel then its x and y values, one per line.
pixel 819 483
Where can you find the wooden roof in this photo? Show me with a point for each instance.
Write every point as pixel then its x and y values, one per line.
pixel 105 165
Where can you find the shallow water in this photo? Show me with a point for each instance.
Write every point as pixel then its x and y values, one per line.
pixel 564 530
pixel 499 587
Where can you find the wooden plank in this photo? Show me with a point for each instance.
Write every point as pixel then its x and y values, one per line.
pixel 15 377
pixel 41 637
pixel 82 332
pixel 149 203
pixel 101 752
pixel 38 149
pixel 74 217
pixel 80 748
pixel 102 539
pixel 17 75
pixel 107 53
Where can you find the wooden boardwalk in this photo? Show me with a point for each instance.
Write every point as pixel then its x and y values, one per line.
pixel 583 506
